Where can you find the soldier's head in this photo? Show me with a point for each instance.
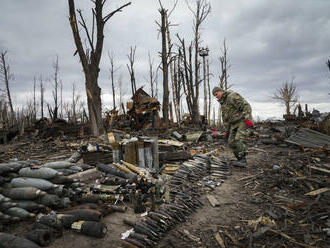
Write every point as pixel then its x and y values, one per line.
pixel 217 92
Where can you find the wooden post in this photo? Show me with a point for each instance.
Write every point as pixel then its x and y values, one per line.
pixel 214 124
pixel 148 155
pixel 171 113
pixel 131 153
pixel 116 152
pixel 155 153
pixel 141 154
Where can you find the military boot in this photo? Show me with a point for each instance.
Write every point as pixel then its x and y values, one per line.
pixel 240 163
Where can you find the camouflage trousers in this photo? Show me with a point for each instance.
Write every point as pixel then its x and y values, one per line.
pixel 237 139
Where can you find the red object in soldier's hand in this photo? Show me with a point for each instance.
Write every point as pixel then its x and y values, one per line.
pixel 225 134
pixel 248 123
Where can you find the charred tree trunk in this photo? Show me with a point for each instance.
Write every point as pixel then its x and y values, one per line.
pixel 205 88
pixel 171 64
pixel 209 92
pixel 61 103
pixel 120 85
pixel 112 71
pixel 55 91
pixel 90 59
pixel 6 76
pixel 34 99
pixel 42 91
pixel 186 76
pixel 177 87
pixel 165 53
pixel 113 87
pixel 94 103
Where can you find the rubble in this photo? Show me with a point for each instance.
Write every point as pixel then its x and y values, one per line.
pixel 159 183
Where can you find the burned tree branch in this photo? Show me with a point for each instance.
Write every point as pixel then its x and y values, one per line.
pixel 107 17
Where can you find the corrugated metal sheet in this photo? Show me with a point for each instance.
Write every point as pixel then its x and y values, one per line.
pixel 309 138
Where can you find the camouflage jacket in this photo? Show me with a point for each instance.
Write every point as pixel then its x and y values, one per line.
pixel 234 108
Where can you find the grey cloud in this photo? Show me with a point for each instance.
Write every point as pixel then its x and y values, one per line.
pixel 269 42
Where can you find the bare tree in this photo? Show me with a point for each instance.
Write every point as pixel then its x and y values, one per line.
pixel 165 63
pixel 171 59
pixel 223 78
pixel 204 52
pixel 90 58
pixel 61 96
pixel 209 90
pixel 156 84
pixel 287 94
pixel 54 111
pixel 112 71
pixel 177 85
pixel 328 65
pixel 67 111
pixel 42 91
pixel 152 75
pixel 203 9
pixel 34 98
pixel 28 113
pixel 6 76
pixel 130 68
pixel 120 85
pixel 225 66
pixel 74 109
pixel 74 104
pixel 186 74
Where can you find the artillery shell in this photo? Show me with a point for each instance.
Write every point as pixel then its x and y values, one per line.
pixel 12 241
pixel 32 182
pixel 25 193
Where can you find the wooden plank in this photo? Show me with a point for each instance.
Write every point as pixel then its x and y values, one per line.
pixel 214 202
pixel 317 169
pixel 220 240
pixel 317 192
pixel 171 142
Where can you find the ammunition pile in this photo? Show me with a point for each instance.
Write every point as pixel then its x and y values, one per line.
pixel 219 171
pixel 33 189
pixel 28 187
pixel 184 200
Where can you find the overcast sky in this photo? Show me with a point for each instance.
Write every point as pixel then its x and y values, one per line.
pixel 269 42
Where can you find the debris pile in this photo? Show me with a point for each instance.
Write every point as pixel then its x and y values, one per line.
pixel 142 113
pixel 294 194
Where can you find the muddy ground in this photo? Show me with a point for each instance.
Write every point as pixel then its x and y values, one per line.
pixel 286 216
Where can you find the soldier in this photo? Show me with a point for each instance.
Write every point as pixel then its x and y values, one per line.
pixel 236 116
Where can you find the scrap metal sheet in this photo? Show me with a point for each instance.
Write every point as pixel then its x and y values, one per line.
pixel 309 138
